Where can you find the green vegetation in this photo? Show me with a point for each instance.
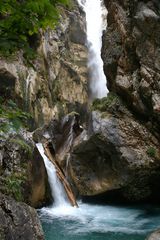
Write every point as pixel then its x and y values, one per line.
pixel 24 146
pixel 21 21
pixel 151 151
pixel 13 186
pixel 104 103
pixel 12 118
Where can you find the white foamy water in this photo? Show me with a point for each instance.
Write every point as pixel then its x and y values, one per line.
pixel 96 22
pixel 57 190
pixel 62 221
pixel 90 218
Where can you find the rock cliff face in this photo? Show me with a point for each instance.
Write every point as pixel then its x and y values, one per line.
pixel 56 81
pixel 131 56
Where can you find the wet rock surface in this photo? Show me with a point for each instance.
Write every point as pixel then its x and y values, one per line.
pixel 18 221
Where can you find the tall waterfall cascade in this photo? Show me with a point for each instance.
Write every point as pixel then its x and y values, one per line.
pixel 96 23
pixel 57 190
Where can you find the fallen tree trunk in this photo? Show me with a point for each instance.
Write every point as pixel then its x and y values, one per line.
pixel 61 176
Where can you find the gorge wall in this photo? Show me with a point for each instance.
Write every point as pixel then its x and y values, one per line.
pixel 120 150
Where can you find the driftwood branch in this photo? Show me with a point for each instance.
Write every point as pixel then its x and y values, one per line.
pixel 61 176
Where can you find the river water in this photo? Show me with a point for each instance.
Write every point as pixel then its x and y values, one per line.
pixel 99 222
pixel 60 221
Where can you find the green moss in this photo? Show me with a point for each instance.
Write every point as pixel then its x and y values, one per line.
pixel 13 185
pixel 105 103
pixel 151 151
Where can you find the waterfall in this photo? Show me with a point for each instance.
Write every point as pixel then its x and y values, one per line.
pixel 57 190
pixel 95 21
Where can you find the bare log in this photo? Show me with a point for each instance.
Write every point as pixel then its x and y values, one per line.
pixel 61 176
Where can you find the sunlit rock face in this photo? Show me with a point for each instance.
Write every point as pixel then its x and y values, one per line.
pixel 55 82
pixel 131 55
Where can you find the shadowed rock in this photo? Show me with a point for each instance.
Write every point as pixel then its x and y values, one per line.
pixel 120 153
pixel 18 221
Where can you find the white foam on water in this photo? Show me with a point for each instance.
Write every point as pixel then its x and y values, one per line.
pixel 89 218
pixel 100 218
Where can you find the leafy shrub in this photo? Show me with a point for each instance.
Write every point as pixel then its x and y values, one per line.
pixel 20 20
pixel 12 118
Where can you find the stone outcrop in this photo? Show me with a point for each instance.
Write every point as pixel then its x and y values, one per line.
pixel 60 136
pixel 55 83
pixel 119 154
pixel 131 56
pixel 18 221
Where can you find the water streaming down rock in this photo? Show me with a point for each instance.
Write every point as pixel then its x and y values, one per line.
pixel 96 23
pixel 31 77
pixel 57 190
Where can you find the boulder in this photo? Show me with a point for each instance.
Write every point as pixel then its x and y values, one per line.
pixel 119 154
pixel 18 221
pixel 154 236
